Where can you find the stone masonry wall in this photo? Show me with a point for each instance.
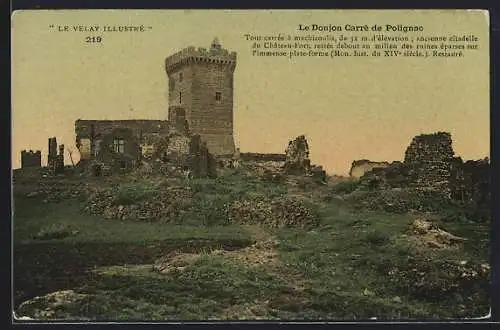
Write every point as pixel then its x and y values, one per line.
pixel 429 158
pixel 297 156
pixel 180 89
pixel 195 78
pixel 89 129
pixel 251 156
pixel 470 182
pixel 52 152
pixel 360 167
pixel 210 118
pixel 178 149
pixel 31 158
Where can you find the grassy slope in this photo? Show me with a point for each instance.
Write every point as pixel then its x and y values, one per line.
pixel 339 270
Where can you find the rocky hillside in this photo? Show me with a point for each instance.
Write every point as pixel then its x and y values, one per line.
pixel 256 242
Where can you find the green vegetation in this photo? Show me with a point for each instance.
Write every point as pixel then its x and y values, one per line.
pixel 352 263
pixel 346 187
pixel 130 193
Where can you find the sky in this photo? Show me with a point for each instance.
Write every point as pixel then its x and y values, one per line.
pixel 349 108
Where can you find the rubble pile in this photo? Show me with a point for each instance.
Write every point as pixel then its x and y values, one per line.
pixel 429 157
pixel 277 213
pixel 168 204
pixel 424 277
pixel 269 171
pixel 430 177
pixel 470 182
pixel 55 305
pixel 395 175
pixel 55 192
pixel 360 167
pixel 396 200
pixel 432 236
pixel 297 160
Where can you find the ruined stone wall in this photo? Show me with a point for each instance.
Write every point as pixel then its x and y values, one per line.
pixel 297 156
pixel 429 157
pixel 31 158
pixel 395 175
pixel 360 167
pixel 250 156
pixel 131 149
pixel 178 149
pixel 52 152
pixel 55 157
pixel 88 130
pixel 470 183
pixel 200 161
pixel 177 119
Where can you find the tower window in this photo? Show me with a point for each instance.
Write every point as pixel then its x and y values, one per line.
pixel 119 146
pixel 180 97
pixel 218 96
pixel 180 77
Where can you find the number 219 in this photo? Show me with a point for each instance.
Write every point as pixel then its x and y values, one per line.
pixel 93 39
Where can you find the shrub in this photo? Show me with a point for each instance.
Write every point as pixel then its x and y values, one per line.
pixel 55 231
pixel 346 187
pixel 398 200
pixel 376 237
pixel 275 213
pixel 130 193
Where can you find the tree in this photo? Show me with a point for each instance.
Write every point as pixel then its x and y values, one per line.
pixel 70 152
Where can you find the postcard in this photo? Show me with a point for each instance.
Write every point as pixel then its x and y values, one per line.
pixel 201 165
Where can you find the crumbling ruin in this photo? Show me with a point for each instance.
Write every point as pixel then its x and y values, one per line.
pixel 430 169
pixel 118 142
pixel 251 156
pixel 297 160
pixel 200 104
pixel 32 159
pixel 360 167
pixel 128 144
pixel 470 181
pixel 429 158
pixel 297 156
pixel 201 162
pixel 55 160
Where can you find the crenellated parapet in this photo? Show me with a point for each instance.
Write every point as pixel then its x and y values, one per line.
pixel 214 55
pixel 31 158
pixel 31 152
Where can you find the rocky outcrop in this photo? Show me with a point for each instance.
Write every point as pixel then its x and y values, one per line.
pixel 53 306
pixel 276 213
pixel 134 202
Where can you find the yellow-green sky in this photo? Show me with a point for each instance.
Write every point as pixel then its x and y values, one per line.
pixel 349 108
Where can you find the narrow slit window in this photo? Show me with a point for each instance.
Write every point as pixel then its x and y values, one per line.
pixel 180 97
pixel 218 96
pixel 180 77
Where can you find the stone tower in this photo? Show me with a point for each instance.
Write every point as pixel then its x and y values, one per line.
pixel 201 93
